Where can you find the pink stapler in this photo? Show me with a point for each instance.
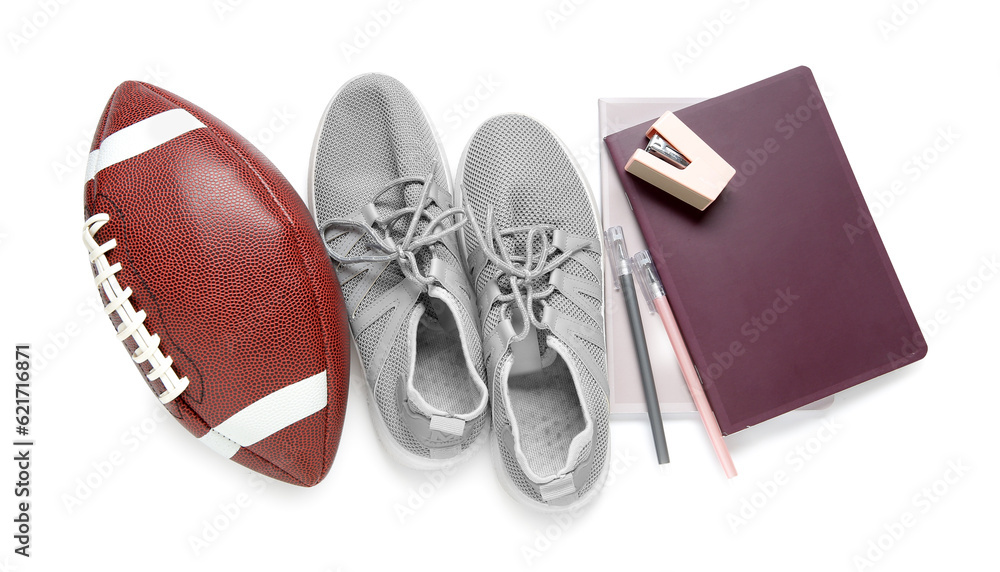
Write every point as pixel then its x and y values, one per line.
pixel 680 163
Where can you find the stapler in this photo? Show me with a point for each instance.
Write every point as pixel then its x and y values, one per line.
pixel 677 161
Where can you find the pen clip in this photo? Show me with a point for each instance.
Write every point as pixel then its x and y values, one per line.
pixel 614 240
pixel 649 280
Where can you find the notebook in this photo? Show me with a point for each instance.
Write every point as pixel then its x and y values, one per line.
pixel 782 288
pixel 626 395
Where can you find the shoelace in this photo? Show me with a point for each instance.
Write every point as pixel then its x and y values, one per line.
pixel 521 270
pixel 132 322
pixel 405 250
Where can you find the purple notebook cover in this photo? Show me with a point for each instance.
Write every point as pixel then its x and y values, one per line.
pixel 782 287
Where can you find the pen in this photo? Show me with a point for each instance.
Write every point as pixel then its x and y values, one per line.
pixel 622 272
pixel 652 290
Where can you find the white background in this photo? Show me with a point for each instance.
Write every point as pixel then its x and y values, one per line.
pixel 268 70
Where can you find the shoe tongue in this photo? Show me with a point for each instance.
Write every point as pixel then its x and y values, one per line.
pixel 408 196
pixel 528 352
pixel 532 353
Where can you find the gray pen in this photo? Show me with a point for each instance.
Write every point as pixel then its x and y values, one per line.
pixel 622 272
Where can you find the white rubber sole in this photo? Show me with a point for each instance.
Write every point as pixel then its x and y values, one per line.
pixel 396 451
pixel 499 465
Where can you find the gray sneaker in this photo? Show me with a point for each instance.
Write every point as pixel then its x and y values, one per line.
pixel 380 192
pixel 532 245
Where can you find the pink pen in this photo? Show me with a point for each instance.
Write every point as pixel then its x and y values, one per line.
pixel 652 290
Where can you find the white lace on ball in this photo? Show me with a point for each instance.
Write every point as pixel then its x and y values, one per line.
pixel 131 321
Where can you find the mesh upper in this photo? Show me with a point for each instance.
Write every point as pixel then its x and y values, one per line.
pixel 373 133
pixel 519 167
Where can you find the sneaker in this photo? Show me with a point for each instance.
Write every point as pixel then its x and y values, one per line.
pixel 532 245
pixel 381 196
